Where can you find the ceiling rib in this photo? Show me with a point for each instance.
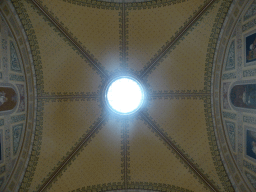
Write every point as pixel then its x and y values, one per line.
pixel 178 36
pixel 70 38
pixel 168 94
pixel 72 154
pixel 125 153
pixel 181 155
pixel 124 54
pixel 70 96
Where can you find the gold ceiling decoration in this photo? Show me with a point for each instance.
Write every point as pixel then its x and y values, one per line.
pixel 77 47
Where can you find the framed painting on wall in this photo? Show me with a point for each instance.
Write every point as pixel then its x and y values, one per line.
pixel 250 137
pixel 250 48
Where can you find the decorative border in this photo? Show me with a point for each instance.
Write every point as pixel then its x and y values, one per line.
pixel 125 154
pixel 117 4
pixel 138 186
pixel 232 167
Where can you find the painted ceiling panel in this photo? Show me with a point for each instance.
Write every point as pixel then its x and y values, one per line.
pixel 150 29
pixel 97 163
pixel 152 162
pixel 62 67
pixel 184 67
pixel 98 30
pixel 78 144
pixel 183 121
pixel 64 123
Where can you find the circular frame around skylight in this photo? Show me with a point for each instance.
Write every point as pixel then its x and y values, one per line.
pixel 124 95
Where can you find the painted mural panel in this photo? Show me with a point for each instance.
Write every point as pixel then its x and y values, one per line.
pixel 8 98
pixel 251 48
pixel 244 96
pixel 251 143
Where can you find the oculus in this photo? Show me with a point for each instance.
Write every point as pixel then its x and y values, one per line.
pixel 124 95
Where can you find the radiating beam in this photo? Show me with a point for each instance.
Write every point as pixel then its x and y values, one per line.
pixel 180 94
pixel 70 96
pixel 70 38
pixel 124 49
pixel 72 154
pixel 181 155
pixel 166 49
pixel 125 153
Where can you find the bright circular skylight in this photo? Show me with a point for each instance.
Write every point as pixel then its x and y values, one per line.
pixel 124 95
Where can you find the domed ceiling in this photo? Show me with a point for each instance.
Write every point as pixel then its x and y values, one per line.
pixel 71 141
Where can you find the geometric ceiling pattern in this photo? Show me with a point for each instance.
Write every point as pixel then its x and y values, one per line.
pixel 77 47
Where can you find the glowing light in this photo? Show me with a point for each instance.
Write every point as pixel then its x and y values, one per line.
pixel 124 95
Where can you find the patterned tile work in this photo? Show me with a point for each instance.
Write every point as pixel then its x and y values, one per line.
pixel 22 105
pixel 229 76
pixel 229 115
pixel 103 161
pixel 14 60
pixel 17 133
pixel 251 11
pixel 153 162
pixel 249 166
pixel 249 25
pixel 143 45
pixel 249 119
pixel 235 132
pixel 225 96
pixel 14 77
pixel 230 63
pixel 249 73
pixel 12 72
pixel 18 118
pixel 59 75
pixel 98 33
pixel 251 178
pixel 188 131
pixel 175 69
pixel 64 124
pixel 231 130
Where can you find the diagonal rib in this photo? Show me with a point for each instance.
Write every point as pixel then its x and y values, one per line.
pixel 91 60
pixel 165 50
pixel 181 155
pixel 72 154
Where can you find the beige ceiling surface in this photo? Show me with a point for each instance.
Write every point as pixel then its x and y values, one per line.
pixel 97 31
pixel 154 29
pixel 184 67
pixel 78 46
pixel 185 124
pixel 63 69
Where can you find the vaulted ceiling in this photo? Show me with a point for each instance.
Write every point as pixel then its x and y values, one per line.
pixel 73 48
